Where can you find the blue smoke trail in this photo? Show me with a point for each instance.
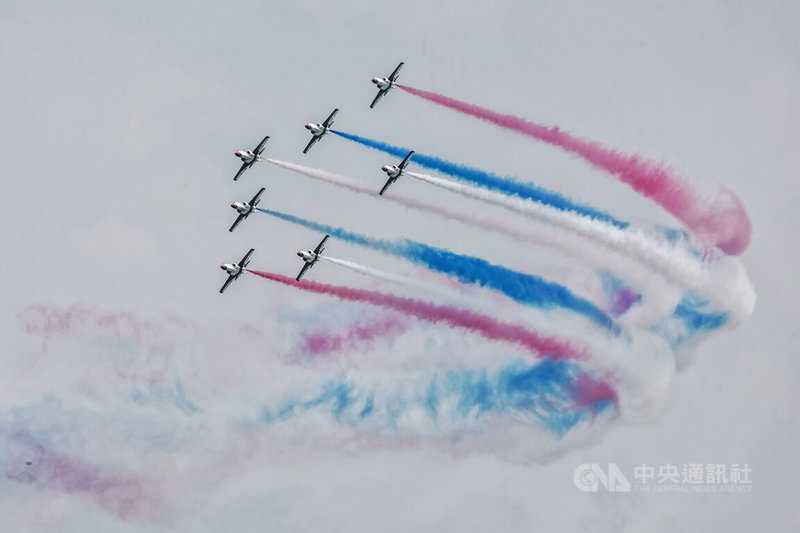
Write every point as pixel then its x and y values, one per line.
pixel 523 288
pixel 552 393
pixel 489 180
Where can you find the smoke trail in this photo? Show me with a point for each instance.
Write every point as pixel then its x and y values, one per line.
pixel 89 433
pixel 551 239
pixel 469 218
pixel 458 401
pixel 489 180
pixel 483 325
pixel 380 274
pixel 127 497
pixel 563 231
pixel 720 221
pixel 523 288
pixel 693 316
pixel 558 394
pixel 671 262
pixel 329 340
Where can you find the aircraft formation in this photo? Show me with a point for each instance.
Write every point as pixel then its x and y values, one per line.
pixel 633 267
pixel 318 130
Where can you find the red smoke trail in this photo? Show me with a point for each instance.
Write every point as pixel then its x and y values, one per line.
pixel 483 325
pixel 720 221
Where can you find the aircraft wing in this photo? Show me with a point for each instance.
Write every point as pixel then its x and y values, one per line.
pixel 244 167
pixel 386 186
pixel 406 159
pixel 329 120
pixel 257 197
pixel 303 270
pixel 314 139
pixel 381 92
pixel 238 219
pixel 246 258
pixel 227 282
pixel 393 75
pixel 260 147
pixel 321 245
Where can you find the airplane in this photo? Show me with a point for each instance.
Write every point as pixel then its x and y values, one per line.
pixel 245 208
pixel 235 270
pixel 249 157
pixel 318 130
pixel 311 257
pixel 395 171
pixel 384 84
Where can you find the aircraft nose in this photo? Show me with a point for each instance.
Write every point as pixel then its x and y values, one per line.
pixel 308 126
pixel 236 154
pixel 384 168
pixel 299 254
pixel 222 267
pixel 233 206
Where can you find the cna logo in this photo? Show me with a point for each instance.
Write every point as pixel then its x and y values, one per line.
pixel 588 478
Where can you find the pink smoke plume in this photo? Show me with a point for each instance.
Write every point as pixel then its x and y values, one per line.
pixel 590 391
pixel 124 496
pixel 483 325
pixel 324 342
pixel 720 221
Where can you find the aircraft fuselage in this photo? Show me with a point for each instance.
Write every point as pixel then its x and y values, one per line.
pixel 384 84
pixel 308 256
pixel 245 155
pixel 231 269
pixel 392 171
pixel 316 129
pixel 243 208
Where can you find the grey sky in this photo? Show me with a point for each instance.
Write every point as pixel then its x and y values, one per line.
pixel 117 139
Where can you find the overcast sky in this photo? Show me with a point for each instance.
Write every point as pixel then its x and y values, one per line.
pixel 119 123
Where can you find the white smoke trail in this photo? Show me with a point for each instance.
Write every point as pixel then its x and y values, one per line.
pixel 387 276
pixel 672 262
